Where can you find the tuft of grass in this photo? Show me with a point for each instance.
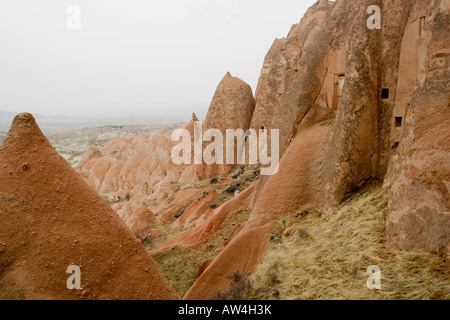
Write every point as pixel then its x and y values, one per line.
pixel 118 200
pixel 328 122
pixel 180 266
pixel 239 288
pixel 180 211
pixel 247 175
pixel 326 257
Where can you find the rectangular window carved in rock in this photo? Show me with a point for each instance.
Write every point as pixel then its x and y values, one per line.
pixel 421 26
pixel 395 145
pixel 339 81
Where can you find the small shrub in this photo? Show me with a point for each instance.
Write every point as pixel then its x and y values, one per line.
pixel 180 212
pixel 240 288
pixel 238 172
pixel 302 233
pixel 233 187
pixel 145 237
pixel 204 194
pixel 214 180
pixel 213 205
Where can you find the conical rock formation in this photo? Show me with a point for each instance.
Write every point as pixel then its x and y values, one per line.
pixel 51 220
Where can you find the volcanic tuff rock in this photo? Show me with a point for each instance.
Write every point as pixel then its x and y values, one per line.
pixel 418 216
pixel 198 172
pixel 352 93
pixel 135 215
pixel 50 220
pixel 282 65
pixel 92 153
pixel 354 106
pixel 140 165
pixel 130 165
pixel 232 105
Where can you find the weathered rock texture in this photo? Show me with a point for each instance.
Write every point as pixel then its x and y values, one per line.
pixel 346 99
pixel 130 165
pixel 232 105
pixel 50 220
pixel 418 216
pixel 351 103
pixel 135 214
pixel 285 65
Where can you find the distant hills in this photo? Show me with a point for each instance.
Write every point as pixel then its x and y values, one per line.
pixel 58 124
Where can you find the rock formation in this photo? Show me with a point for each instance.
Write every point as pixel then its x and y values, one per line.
pixel 284 63
pixel 418 216
pixel 232 105
pixel 130 165
pixel 135 214
pixel 354 106
pixel 350 92
pixel 50 220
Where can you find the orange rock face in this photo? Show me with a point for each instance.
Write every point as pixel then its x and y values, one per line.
pixel 349 102
pixel 283 64
pixel 246 251
pixel 232 105
pixel 50 220
pixel 138 171
pixel 353 105
pixel 135 214
pixel 418 216
pixel 131 166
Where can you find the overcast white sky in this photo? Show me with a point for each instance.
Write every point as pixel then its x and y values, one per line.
pixel 133 57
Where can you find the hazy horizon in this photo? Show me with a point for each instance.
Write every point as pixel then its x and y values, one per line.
pixel 139 58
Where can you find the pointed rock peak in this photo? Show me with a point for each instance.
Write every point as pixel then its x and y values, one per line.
pixel 92 153
pixel 293 31
pixel 51 217
pixel 24 117
pixel 232 105
pixel 233 82
pixel 278 43
pixel 324 4
pixel 24 132
pixel 190 125
pixel 94 150
pixel 23 121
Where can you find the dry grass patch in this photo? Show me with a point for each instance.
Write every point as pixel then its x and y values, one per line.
pixel 326 257
pixel 180 266
pixel 248 175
